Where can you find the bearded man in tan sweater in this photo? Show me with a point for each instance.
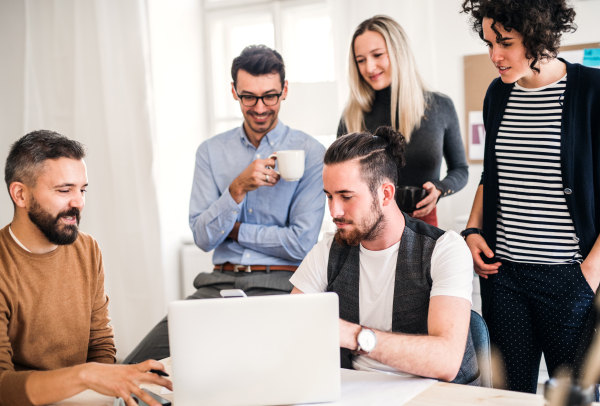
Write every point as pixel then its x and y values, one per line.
pixel 55 336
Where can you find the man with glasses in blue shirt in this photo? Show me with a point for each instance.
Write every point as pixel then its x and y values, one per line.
pixel 261 227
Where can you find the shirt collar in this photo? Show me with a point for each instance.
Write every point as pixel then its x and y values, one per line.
pixel 272 136
pixel 17 240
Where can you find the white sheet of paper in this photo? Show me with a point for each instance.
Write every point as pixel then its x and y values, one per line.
pixel 360 388
pixel 373 388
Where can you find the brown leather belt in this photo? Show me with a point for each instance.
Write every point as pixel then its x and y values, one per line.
pixel 253 268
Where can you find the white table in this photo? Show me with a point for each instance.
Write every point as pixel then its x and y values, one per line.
pixel 364 388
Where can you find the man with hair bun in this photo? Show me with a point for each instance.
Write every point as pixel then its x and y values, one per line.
pixel 259 226
pixel 404 286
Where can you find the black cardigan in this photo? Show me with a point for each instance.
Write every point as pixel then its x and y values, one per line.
pixel 579 153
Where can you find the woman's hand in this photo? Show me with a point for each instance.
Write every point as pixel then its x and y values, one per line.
pixel 477 245
pixel 591 275
pixel 425 206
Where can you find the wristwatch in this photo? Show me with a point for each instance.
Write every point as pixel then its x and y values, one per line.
pixel 469 231
pixel 367 340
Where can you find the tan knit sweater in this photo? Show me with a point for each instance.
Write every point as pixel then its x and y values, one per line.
pixel 53 312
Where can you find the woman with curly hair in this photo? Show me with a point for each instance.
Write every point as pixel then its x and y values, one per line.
pixel 534 226
pixel 387 90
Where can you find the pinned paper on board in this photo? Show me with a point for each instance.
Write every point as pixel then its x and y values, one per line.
pixel 591 57
pixel 476 142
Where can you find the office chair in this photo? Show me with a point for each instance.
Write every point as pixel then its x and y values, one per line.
pixel 481 342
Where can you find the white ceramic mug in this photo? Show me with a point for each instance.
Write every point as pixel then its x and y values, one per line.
pixel 291 164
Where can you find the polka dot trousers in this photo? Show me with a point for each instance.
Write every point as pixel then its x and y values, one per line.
pixel 534 309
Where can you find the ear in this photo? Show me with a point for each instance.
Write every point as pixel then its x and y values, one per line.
pixel 233 92
pixel 285 90
pixel 19 193
pixel 389 191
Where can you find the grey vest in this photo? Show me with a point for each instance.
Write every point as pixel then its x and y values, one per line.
pixel 411 290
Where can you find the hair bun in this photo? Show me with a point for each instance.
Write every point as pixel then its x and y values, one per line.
pixel 396 143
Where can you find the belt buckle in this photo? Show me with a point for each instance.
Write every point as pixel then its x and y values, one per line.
pixel 236 268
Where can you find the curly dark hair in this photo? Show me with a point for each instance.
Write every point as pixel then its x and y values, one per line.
pixel 540 22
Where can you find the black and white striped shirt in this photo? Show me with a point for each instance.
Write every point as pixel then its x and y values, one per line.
pixel 534 225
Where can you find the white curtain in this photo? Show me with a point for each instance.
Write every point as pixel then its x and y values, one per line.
pixel 87 76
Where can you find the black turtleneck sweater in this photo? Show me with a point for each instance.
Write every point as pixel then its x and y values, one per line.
pixel 437 137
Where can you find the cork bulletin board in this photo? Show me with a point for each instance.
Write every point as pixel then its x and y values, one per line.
pixel 479 73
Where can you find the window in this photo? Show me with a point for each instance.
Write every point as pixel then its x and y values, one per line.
pixel 229 35
pixel 308 43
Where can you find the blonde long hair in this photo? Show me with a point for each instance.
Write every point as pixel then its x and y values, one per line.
pixel 409 100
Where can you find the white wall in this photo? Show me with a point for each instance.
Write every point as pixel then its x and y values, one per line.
pixel 180 112
pixel 12 79
pixel 588 29
pixel 453 40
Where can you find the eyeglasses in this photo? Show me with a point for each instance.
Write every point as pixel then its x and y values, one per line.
pixel 268 99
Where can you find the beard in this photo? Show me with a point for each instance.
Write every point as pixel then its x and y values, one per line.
pixel 260 128
pixel 367 230
pixel 56 233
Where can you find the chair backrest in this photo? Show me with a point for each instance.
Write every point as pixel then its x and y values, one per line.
pixel 481 342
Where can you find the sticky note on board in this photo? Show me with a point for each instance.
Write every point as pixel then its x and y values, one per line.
pixel 591 57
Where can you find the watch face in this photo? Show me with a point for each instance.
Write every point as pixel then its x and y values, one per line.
pixel 367 340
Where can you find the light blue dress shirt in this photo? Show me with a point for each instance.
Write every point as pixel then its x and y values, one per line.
pixel 280 224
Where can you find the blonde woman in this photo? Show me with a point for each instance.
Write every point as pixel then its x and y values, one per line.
pixel 387 90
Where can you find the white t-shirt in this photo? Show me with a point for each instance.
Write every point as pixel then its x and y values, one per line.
pixel 451 273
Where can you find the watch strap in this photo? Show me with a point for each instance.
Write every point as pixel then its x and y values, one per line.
pixel 468 231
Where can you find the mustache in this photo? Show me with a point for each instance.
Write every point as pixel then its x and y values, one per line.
pixel 342 220
pixel 72 212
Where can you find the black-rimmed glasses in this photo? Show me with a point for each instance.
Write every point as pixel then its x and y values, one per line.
pixel 267 99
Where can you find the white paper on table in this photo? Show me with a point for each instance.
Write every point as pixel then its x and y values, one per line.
pixel 361 388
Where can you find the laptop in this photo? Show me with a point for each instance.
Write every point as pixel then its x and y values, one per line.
pixel 261 350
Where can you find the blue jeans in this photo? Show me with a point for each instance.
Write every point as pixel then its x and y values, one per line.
pixel 534 309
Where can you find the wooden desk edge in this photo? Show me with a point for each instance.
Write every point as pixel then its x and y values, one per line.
pixel 462 395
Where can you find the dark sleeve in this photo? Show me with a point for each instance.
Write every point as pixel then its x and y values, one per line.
pixel 342 130
pixel 486 108
pixel 454 151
